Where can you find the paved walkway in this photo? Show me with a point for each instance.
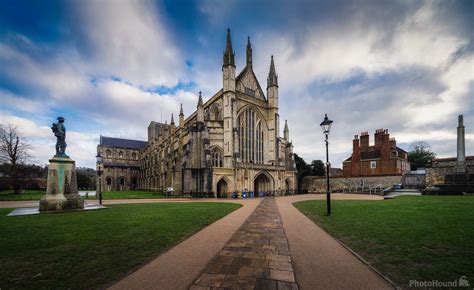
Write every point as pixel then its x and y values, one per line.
pixel 256 257
pixel 319 261
pixel 179 267
pixel 275 247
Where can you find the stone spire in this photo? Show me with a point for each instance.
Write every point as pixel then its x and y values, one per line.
pixel 249 53
pixel 461 156
pixel 181 116
pixel 286 132
pixel 172 119
pixel 200 109
pixel 272 79
pixel 200 103
pixel 229 54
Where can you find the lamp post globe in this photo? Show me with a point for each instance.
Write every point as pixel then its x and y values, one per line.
pixel 326 127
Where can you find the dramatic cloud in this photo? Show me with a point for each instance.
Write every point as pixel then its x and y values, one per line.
pixel 111 67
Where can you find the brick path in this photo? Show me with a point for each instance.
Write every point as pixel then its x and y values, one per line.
pixel 256 257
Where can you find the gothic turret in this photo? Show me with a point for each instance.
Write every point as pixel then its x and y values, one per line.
pixel 272 79
pixel 249 53
pixel 272 85
pixel 286 132
pixel 181 116
pixel 172 124
pixel 228 66
pixel 229 54
pixel 200 109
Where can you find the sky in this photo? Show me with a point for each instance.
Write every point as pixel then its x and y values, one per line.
pixel 111 67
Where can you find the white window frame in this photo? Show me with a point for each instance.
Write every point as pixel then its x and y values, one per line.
pixel 373 164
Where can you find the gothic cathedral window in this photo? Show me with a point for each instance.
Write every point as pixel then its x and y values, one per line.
pixel 251 137
pixel 216 156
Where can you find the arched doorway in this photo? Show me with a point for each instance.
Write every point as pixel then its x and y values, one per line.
pixel 287 186
pixel 121 183
pixel 108 181
pixel 262 184
pixel 222 188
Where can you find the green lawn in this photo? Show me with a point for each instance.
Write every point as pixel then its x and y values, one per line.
pixel 423 238
pixel 93 248
pixel 131 194
pixel 9 195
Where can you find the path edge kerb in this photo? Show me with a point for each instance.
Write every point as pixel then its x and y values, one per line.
pixel 359 257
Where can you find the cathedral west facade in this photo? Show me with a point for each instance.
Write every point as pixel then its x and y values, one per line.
pixel 231 143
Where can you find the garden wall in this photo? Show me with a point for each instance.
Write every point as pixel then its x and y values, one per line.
pixel 440 167
pixel 314 184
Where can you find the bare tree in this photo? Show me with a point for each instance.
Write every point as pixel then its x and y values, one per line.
pixel 13 151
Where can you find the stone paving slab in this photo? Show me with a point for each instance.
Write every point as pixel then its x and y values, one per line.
pixel 256 256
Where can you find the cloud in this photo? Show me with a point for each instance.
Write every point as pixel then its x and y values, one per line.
pixel 42 141
pixel 117 65
pixel 127 39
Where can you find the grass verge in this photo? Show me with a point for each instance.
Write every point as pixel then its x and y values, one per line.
pixel 9 195
pixel 93 248
pixel 131 194
pixel 420 238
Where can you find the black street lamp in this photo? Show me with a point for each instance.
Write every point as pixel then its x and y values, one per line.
pixel 99 173
pixel 326 127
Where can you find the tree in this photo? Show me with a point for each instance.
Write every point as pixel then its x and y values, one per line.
pixel 318 168
pixel 302 168
pixel 14 151
pixel 85 178
pixel 420 154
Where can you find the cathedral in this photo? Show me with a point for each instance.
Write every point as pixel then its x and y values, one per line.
pixel 230 144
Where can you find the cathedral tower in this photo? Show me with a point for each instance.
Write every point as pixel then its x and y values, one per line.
pixel 228 74
pixel 274 118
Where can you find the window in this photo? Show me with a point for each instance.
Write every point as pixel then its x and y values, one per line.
pixel 216 156
pixel 120 154
pixel 373 164
pixel 134 156
pixel 251 137
pixel 108 154
pixel 250 92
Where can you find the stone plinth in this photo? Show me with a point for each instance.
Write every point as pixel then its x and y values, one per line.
pixel 61 193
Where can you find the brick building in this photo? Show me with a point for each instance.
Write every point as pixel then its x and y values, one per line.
pixel 382 158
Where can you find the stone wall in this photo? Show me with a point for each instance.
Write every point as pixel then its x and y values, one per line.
pixel 440 167
pixel 315 184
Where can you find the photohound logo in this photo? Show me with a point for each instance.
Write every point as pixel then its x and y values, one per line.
pixel 461 282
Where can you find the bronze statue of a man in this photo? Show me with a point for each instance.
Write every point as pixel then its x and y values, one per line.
pixel 59 131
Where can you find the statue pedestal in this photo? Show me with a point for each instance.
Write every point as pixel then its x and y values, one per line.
pixel 61 192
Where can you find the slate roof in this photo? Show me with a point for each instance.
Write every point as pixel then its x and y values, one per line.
pixel 122 143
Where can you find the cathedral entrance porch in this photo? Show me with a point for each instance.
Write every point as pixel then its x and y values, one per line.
pixel 222 188
pixel 263 183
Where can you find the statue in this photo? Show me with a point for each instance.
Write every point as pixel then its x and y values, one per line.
pixel 59 131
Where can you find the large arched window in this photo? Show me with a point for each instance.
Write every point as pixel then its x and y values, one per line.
pixel 216 156
pixel 108 154
pixel 251 129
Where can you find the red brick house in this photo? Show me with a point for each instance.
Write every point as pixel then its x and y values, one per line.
pixel 382 158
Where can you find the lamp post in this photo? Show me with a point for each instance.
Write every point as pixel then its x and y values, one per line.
pixel 99 173
pixel 326 127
